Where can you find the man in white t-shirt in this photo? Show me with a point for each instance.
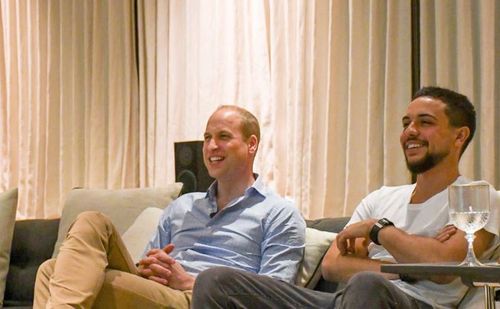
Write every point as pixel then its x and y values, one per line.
pixel 405 224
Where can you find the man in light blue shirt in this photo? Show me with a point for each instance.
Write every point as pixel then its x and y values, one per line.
pixel 238 223
pixel 258 232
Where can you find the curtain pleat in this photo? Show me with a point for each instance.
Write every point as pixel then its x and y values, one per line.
pixel 95 93
pixel 460 48
pixel 314 72
pixel 69 109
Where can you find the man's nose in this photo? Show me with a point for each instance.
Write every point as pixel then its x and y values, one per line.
pixel 411 129
pixel 212 144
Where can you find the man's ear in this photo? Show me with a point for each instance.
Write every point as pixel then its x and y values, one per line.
pixel 462 135
pixel 253 143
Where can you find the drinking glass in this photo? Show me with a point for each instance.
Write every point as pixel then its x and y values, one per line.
pixel 469 208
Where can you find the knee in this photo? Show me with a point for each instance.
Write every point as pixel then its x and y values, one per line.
pixel 370 283
pixel 92 216
pixel 91 219
pixel 213 278
pixel 367 279
pixel 211 287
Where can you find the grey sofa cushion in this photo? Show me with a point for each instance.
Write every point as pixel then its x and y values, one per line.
pixel 329 225
pixel 33 243
pixel 334 225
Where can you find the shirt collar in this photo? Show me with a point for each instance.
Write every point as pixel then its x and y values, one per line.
pixel 258 187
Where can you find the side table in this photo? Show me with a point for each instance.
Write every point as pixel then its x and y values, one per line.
pixel 481 276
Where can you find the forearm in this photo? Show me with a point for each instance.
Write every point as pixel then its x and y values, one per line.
pixel 342 268
pixel 406 248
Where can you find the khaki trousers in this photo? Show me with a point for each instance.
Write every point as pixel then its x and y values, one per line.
pixel 95 270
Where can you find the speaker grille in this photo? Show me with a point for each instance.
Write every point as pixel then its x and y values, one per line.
pixel 189 167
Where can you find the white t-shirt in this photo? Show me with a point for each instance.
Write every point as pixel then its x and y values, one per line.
pixel 425 219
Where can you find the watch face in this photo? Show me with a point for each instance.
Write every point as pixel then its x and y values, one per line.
pixel 385 222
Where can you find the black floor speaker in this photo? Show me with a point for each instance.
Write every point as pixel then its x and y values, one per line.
pixel 189 167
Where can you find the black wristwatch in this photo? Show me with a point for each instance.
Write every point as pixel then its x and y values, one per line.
pixel 377 227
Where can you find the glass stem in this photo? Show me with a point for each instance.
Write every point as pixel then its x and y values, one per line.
pixel 471 257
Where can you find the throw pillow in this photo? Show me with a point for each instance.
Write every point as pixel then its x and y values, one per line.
pixel 121 206
pixel 8 207
pixel 317 243
pixel 141 231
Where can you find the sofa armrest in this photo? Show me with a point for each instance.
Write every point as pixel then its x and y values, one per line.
pixel 32 244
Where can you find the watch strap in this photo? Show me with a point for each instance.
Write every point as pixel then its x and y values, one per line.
pixel 380 224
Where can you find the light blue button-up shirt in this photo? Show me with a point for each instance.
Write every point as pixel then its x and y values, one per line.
pixel 259 232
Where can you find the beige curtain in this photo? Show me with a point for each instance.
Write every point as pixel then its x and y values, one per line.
pixel 87 102
pixel 461 50
pixel 68 110
pixel 329 81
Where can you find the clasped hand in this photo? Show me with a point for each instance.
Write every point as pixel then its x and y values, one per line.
pixel 160 267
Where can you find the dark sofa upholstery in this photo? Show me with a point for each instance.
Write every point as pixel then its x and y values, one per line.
pixel 32 244
pixel 34 241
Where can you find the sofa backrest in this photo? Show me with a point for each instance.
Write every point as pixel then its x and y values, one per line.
pixel 122 206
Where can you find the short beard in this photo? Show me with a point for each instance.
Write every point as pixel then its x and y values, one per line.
pixel 429 161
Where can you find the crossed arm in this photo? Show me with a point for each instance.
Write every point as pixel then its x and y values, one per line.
pixel 348 255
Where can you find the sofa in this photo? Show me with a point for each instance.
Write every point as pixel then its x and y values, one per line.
pixel 35 241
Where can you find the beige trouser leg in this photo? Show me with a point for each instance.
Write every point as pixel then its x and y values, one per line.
pixel 79 274
pixel 43 275
pixel 124 290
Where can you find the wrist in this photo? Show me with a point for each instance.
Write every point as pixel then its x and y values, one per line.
pixel 188 283
pixel 377 227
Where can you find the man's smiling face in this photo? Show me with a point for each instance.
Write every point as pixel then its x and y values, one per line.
pixel 427 137
pixel 225 150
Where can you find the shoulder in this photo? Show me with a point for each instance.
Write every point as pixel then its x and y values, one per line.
pixel 278 203
pixel 381 202
pixel 389 193
pixel 185 201
pixel 277 207
pixel 283 211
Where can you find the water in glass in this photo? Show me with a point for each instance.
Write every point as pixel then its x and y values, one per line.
pixel 469 208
